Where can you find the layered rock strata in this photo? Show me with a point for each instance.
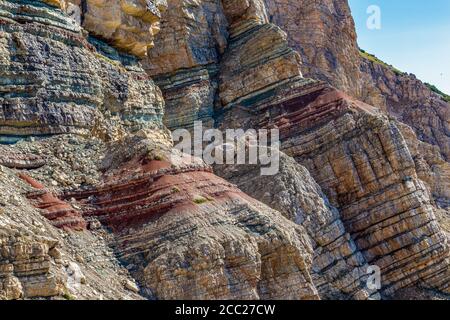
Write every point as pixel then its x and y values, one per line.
pixel 188 76
pixel 364 166
pixel 243 248
pixel 129 25
pixel 26 266
pixel 53 80
pixel 358 157
pixel 183 232
pixel 324 35
pixel 38 260
pixel 61 214
pixel 190 235
pixel 413 103
pixel 339 270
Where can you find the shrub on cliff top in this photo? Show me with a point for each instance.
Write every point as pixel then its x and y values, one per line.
pixel 433 88
pixel 374 59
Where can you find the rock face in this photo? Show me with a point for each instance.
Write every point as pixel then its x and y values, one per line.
pixel 55 81
pixel 60 213
pixel 130 24
pixel 190 234
pixel 90 183
pixel 357 156
pixel 414 104
pixel 182 231
pixel 188 76
pixel 359 159
pixel 39 261
pixel 339 269
pixel 329 52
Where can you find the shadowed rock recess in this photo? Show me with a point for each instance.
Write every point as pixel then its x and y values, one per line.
pixel 95 203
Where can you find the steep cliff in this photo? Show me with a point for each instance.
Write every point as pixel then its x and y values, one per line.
pixel 356 154
pixel 324 35
pixel 114 193
pixel 94 202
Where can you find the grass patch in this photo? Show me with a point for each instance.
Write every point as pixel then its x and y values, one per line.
pixel 68 296
pixel 433 88
pixel 374 59
pixel 200 200
pixel 175 190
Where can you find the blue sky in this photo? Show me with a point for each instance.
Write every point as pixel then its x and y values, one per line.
pixel 414 36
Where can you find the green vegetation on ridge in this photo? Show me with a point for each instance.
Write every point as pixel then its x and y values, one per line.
pixel 433 88
pixel 374 59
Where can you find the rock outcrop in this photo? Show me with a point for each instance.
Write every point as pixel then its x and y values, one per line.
pixel 358 157
pixel 188 76
pixel 182 231
pixel 324 35
pixel 410 101
pixel 60 213
pixel 339 269
pixel 94 203
pixel 129 24
pixel 57 81
pixel 38 260
pixel 188 234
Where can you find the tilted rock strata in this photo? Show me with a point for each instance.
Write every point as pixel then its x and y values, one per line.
pixel 339 270
pixel 414 104
pixel 39 261
pixel 261 86
pixel 256 60
pixel 187 76
pixel 362 163
pixel 325 37
pixel 360 160
pixel 60 213
pixel 430 166
pixel 182 231
pixel 191 235
pixel 129 24
pixel 189 96
pixel 385 207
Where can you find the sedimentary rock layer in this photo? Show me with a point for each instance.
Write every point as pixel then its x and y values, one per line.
pixel 61 214
pixel 38 260
pixel 53 80
pixel 187 76
pixel 183 232
pixel 339 270
pixel 261 86
pixel 364 166
pixel 355 154
pixel 129 25
pixel 188 234
pixel 324 35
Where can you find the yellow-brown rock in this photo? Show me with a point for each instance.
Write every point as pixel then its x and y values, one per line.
pixel 130 25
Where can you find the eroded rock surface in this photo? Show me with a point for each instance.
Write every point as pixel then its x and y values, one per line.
pixel 58 81
pixel 191 235
pixel 39 261
pixel 324 35
pixel 358 157
pixel 339 269
pixel 101 188
pixel 182 231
